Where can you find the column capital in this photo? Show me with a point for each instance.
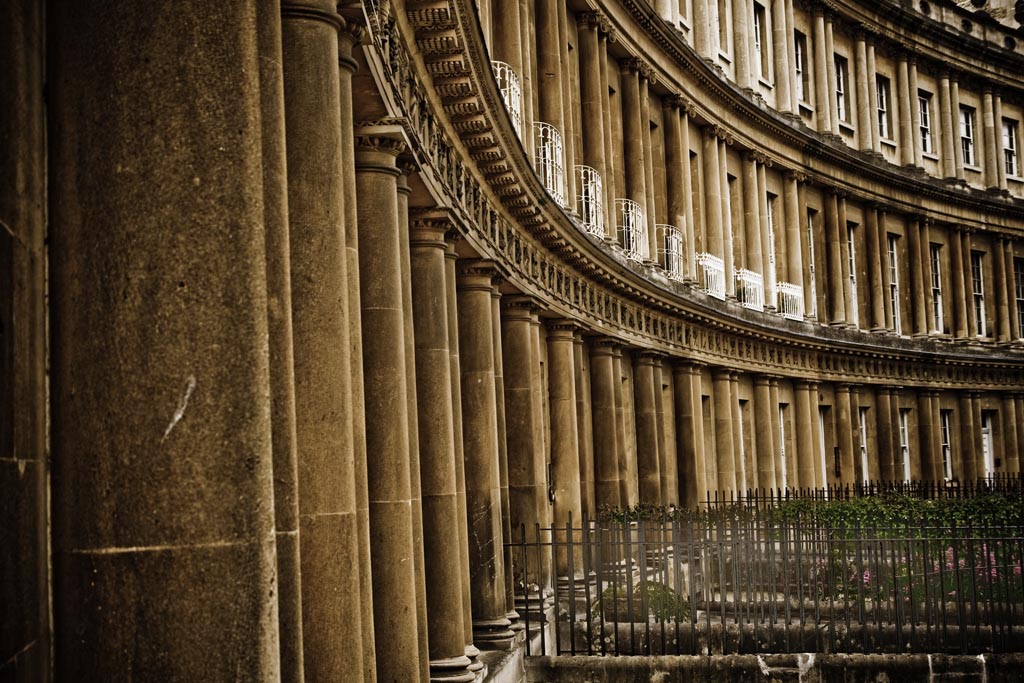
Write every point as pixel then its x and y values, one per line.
pixel 687 365
pixel 520 307
pixel 603 346
pixel 476 274
pixel 428 228
pixel 378 153
pixel 316 10
pixel 350 35
pixel 796 176
pixel 591 19
pixel 718 131
pixel 638 66
pixel 677 101
pixel 561 329
pixel 720 373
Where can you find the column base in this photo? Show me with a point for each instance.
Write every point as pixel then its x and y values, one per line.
pixel 452 670
pixel 475 665
pixel 517 624
pixel 493 634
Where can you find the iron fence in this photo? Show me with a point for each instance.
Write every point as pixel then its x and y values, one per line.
pixel 745 581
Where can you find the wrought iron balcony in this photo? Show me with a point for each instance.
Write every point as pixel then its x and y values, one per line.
pixel 750 289
pixel 790 300
pixel 631 227
pixel 672 251
pixel 590 200
pixel 511 92
pixel 549 162
pixel 711 274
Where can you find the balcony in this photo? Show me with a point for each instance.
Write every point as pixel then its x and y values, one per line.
pixel 672 252
pixel 590 200
pixel 631 228
pixel 549 163
pixel 511 92
pixel 790 300
pixel 750 289
pixel 711 274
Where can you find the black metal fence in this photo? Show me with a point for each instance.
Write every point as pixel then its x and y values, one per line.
pixel 746 581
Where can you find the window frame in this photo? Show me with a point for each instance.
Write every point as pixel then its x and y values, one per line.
pixel 946 443
pixel 842 66
pixel 892 256
pixel 968 126
pixel 934 264
pixel 924 115
pixel 1011 148
pixel 978 292
pixel 801 64
pixel 1018 287
pixel 883 97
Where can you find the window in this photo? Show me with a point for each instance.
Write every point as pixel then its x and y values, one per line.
pixel 851 236
pixel 904 444
pixel 945 444
pixel 862 414
pixel 782 476
pixel 934 257
pixel 723 25
pixel 894 285
pixel 803 76
pixel 771 245
pixel 884 115
pixel 810 267
pixel 1010 147
pixel 1018 289
pixel 967 135
pixel 761 41
pixel 842 77
pixel 987 453
pixel 978 287
pixel 924 108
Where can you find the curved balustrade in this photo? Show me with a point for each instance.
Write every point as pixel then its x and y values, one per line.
pixel 630 225
pixel 711 274
pixel 549 160
pixel 672 251
pixel 511 93
pixel 790 300
pixel 750 289
pixel 590 200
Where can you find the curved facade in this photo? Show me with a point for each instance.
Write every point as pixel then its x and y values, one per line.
pixel 312 307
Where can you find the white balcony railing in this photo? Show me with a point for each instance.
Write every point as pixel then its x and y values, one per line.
pixel 711 274
pixel 750 289
pixel 590 199
pixel 790 300
pixel 630 223
pixel 511 92
pixel 672 252
pixel 549 160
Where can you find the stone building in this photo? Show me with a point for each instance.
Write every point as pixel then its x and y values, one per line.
pixel 304 308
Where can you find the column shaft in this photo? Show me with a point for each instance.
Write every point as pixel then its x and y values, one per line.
pixel 924 258
pixel 611 191
pixel 633 144
pixel 876 136
pixel 830 68
pixel 774 416
pixel 794 249
pixel 925 427
pixel 724 448
pixel 1011 431
pixel 781 32
pixel 917 283
pixel 713 193
pixel 157 527
pixel 665 405
pixel 805 428
pixel 1000 282
pixel 751 214
pixel 767 239
pixel 903 99
pixel 765 437
pixel 946 128
pixel 915 115
pixel 728 252
pixel 822 62
pixel 606 457
pixel 688 226
pixel 989 143
pixel 968 285
pixel 565 456
pixel 1011 292
pixel 593 99
pixel 883 416
pixel 844 435
pixel 954 116
pixel 584 421
pixel 958 283
pixel 968 466
pixel 864 110
pixel 741 44
pixel 650 212
pixel 836 286
pixel 874 256
pixel 648 456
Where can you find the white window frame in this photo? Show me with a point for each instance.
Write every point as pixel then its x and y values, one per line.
pixel 770 198
pixel 987 444
pixel 924 107
pixel 905 442
pixel 851 248
pixel 842 66
pixel 946 444
pixel 1018 287
pixel 784 477
pixel 967 127
pixel 761 32
pixel 884 92
pixel 800 65
pixel 934 259
pixel 810 267
pixel 894 281
pixel 862 426
pixel 978 292
pixel 1011 160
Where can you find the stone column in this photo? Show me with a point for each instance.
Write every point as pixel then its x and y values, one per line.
pixel 822 63
pixel 528 496
pixel 873 244
pixel 159 528
pixel 593 101
pixel 844 435
pixel 805 425
pixel 633 141
pixel 968 465
pixel 997 109
pixel 24 572
pixel 665 405
pixel 968 286
pixel 392 535
pixel 988 140
pixel 728 252
pixel 863 76
pixel 406 166
pixel 782 31
pixel 1011 290
pixel 647 446
pixel 849 295
pixel 765 437
pixel 321 279
pixel 830 67
pixel 938 471
pixel 691 466
pixel 627 471
pixel 794 241
pixel 741 44
pixel 689 227
pixel 917 282
pixel 876 137
pixel 611 191
pixel 705 40
pixel 666 10
pixel 956 261
pixel 767 251
pixel 1011 435
pixel 946 128
pixel 725 451
pixel 746 468
pixel 480 449
pixel 450 260
pixel 925 428
pixel 549 70
pixel 794 104
pixel 349 36
pixel 584 422
pixel 713 192
pixel 606 456
pixel 650 208
pixel 279 333
pixel 894 420
pixel 527 24
pixel 924 256
pixel 1000 284
pixel 565 447
pixel 954 106
pixel 820 464
pixel 570 97
pixel 915 113
pixel 836 286
pixel 751 214
pixel 677 171
pixel 507 44
pixel 777 436
pixel 906 139
pixel 884 427
pixel 979 453
pixel 437 451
